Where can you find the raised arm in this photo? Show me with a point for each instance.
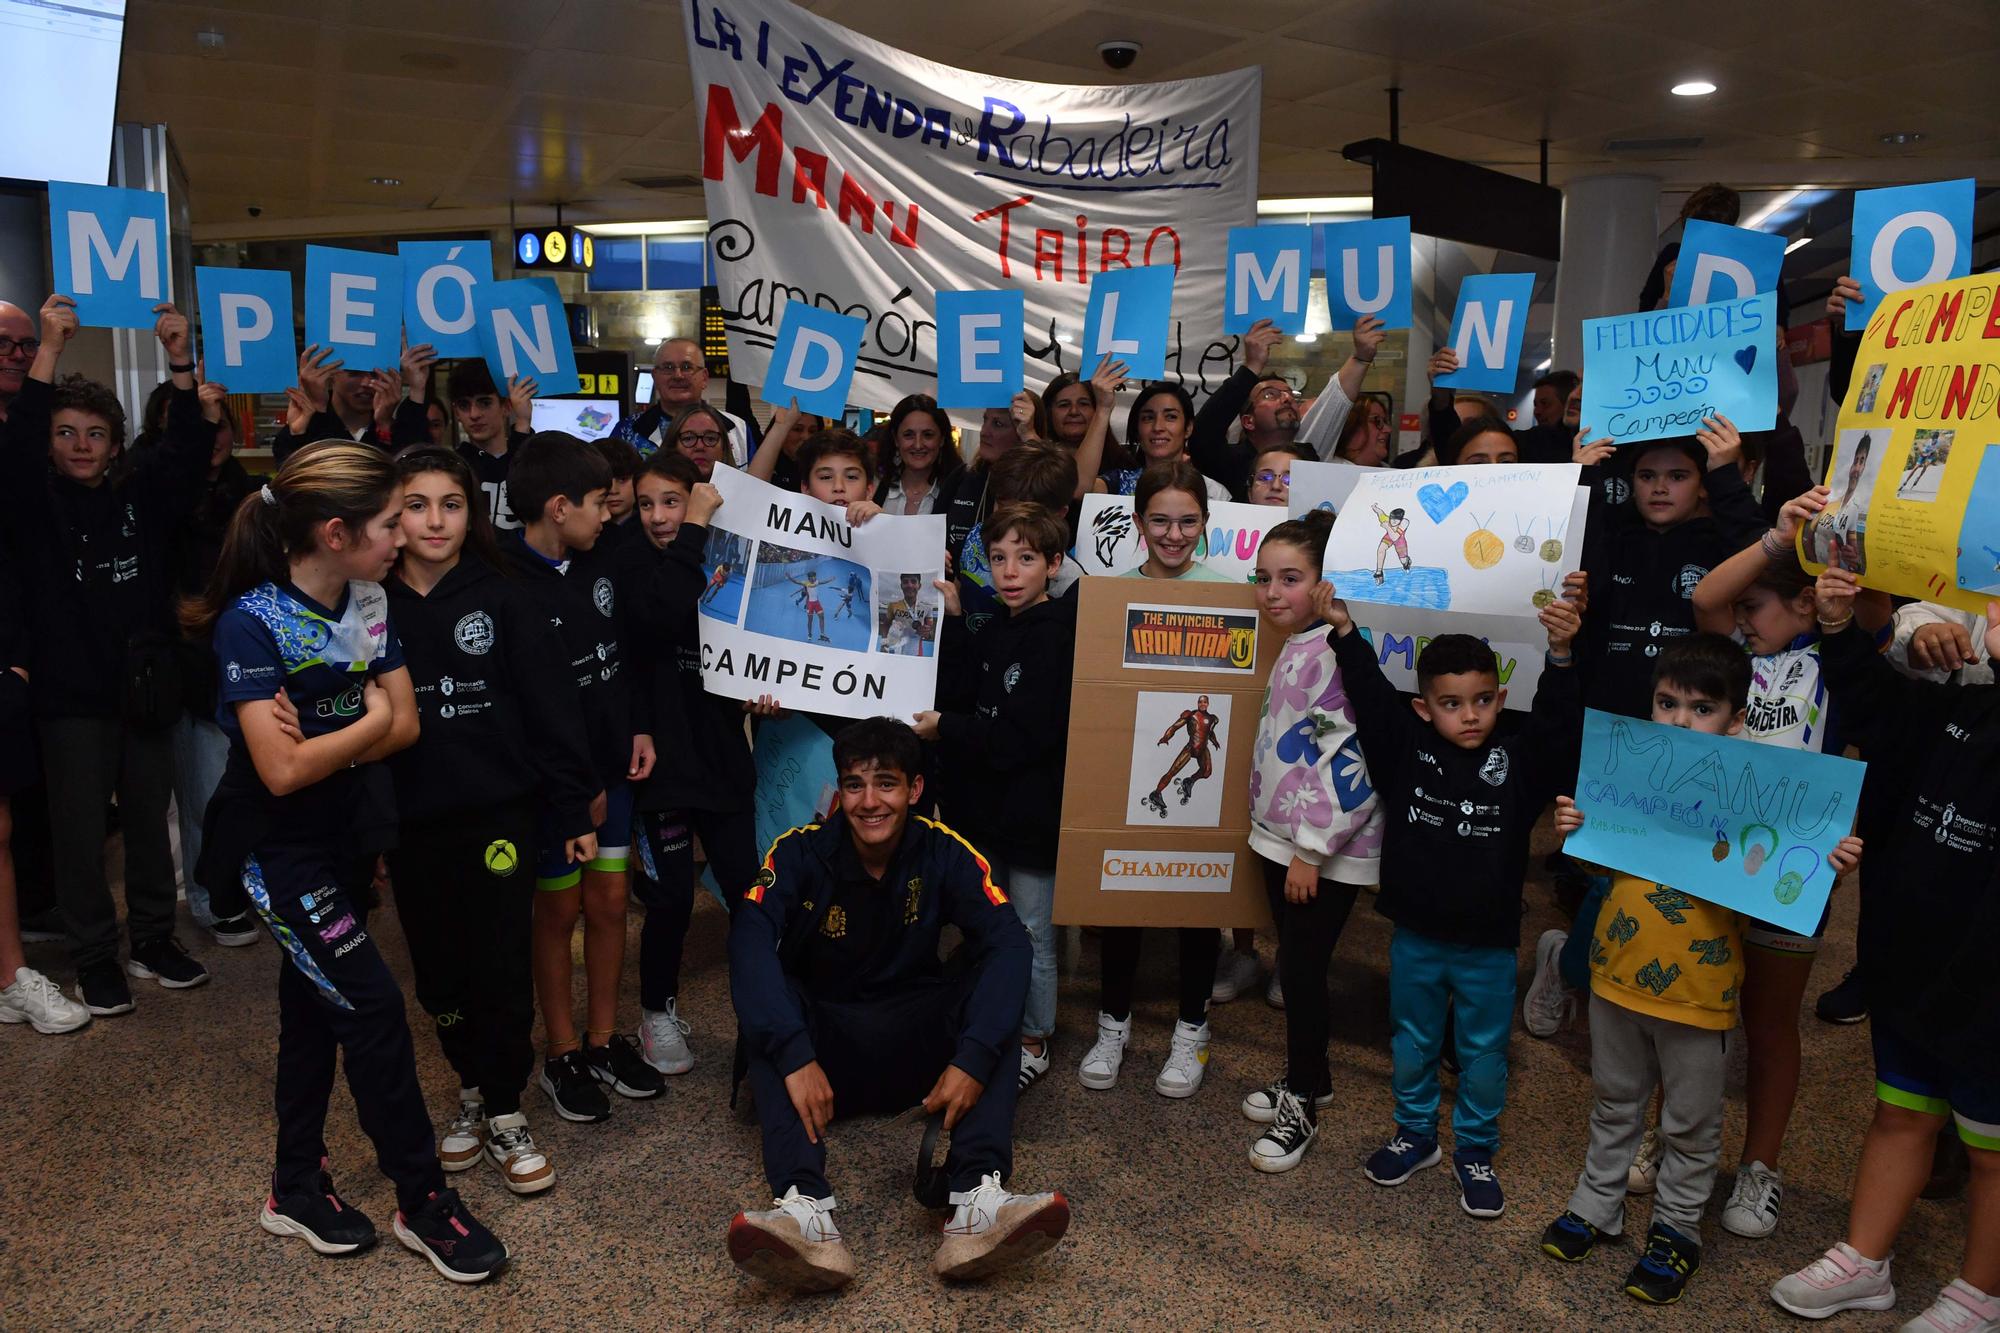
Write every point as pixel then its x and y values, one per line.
pixel 764 463
pixel 1715 596
pixel 1104 386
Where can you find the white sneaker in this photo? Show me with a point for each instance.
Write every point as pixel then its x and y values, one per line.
pixel 35 1000
pixel 1752 1209
pixel 1280 1147
pixel 1644 1174
pixel 1959 1308
pixel 1235 974
pixel 1099 1069
pixel 511 1148
pixel 991 1229
pixel 663 1044
pixel 465 1137
pixel 1261 1107
pixel 1548 1003
pixel 1840 1279
pixel 792 1244
pixel 1187 1062
pixel 1274 994
pixel 1033 1066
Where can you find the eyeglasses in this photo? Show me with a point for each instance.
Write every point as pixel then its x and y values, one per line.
pixel 26 346
pixel 1269 478
pixel 1272 393
pixel 700 438
pixel 1164 523
pixel 677 367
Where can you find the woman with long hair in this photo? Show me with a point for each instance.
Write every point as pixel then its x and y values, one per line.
pixel 921 457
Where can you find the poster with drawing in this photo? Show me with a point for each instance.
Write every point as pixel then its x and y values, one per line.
pixel 1110 542
pixel 1915 503
pixel 823 616
pixel 1178 740
pixel 1324 485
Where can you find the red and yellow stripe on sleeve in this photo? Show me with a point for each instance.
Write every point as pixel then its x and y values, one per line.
pixel 994 893
pixel 768 876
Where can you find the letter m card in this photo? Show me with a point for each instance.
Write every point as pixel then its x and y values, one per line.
pixel 109 249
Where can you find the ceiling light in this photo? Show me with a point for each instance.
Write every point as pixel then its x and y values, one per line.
pixel 385 180
pixel 679 227
pixel 1693 88
pixel 1305 337
pixel 1339 203
pixel 1902 137
pixel 1772 209
pixel 211 41
pixel 1546 363
pixel 1800 244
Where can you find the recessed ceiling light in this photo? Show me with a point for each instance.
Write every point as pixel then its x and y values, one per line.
pixel 1902 137
pixel 1693 88
pixel 385 180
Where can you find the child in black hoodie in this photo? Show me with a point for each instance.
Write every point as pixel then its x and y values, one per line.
pixel 707 787
pixel 1011 746
pixel 500 728
pixel 557 487
pixel 1462 785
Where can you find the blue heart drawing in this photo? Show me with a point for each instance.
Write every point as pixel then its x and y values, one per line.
pixel 1439 502
pixel 1746 357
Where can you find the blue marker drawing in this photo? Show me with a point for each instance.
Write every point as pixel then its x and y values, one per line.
pixel 1979 534
pixel 1424 587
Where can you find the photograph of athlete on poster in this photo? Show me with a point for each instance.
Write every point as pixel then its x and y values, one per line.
pixel 1178 741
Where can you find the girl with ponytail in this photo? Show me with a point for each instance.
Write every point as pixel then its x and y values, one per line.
pixel 313 689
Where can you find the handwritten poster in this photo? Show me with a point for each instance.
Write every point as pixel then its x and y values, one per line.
pixel 1658 373
pixel 1109 541
pixel 1323 485
pixel 1915 475
pixel 1742 825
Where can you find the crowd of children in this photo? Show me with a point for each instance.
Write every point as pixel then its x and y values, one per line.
pixel 485 663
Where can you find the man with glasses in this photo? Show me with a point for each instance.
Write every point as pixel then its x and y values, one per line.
pixel 18 345
pixel 679 378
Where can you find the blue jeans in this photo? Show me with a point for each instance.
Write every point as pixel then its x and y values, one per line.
pixel 1574 962
pixel 1033 893
pixel 200 753
pixel 1424 976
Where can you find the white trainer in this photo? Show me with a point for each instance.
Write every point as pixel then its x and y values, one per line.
pixel 1643 1176
pixel 1959 1308
pixel 793 1244
pixel 1187 1062
pixel 465 1137
pixel 35 1000
pixel 1548 1003
pixel 1099 1069
pixel 1274 994
pixel 511 1148
pixel 1841 1279
pixel 1752 1209
pixel 991 1229
pixel 663 1043
pixel 1235 974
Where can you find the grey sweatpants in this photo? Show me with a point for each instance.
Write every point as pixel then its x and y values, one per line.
pixel 1630 1054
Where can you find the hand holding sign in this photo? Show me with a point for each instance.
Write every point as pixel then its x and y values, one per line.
pixel 1129 315
pixel 354 305
pixel 813 358
pixel 109 252
pixel 1660 373
pixel 524 330
pixel 246 326
pixel 1368 271
pixel 59 324
pixel 1486 331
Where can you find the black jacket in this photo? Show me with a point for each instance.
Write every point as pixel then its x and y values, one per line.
pixel 197 551
pixel 935 879
pixel 95 563
pixel 581 602
pixel 1208 442
pixel 501 719
pixel 1642 586
pixel 1008 752
pixel 703 754
pixel 1930 878
pixel 325 425
pixel 1455 836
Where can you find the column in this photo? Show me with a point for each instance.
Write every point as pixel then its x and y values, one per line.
pixel 1610 233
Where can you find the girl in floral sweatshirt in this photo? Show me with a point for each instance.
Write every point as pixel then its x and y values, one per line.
pixel 1313 822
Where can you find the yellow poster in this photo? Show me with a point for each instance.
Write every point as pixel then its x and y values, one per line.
pixel 1915 474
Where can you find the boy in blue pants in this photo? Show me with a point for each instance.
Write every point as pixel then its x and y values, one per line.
pixel 1462 786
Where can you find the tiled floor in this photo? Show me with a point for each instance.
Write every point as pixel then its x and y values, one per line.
pixel 137 1152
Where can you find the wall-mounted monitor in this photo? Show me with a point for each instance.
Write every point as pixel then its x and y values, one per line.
pixel 62 75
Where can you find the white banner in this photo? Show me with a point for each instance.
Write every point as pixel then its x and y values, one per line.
pixel 1109 542
pixel 821 616
pixel 864 179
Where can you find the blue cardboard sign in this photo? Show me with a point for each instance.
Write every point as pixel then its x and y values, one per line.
pixel 523 331
pixel 1717 262
pixel 109 250
pixel 246 329
pixel 813 358
pixel 1742 825
pixel 980 354
pixel 1659 372
pixel 1910 236
pixel 354 305
pixel 438 278
pixel 1368 271
pixel 1268 277
pixel 1487 329
pixel 1128 318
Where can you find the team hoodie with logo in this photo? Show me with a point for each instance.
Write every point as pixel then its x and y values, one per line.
pixel 1310 795
pixel 500 722
pixel 580 599
pixel 1456 821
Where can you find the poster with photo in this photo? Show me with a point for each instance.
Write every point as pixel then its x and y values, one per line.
pixel 1839 536
pixel 814 612
pixel 1178 740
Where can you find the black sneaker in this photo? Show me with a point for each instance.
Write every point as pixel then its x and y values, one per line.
pixel 102 988
pixel 1845 1003
pixel 619 1066
pixel 319 1217
pixel 573 1088
pixel 1569 1238
pixel 1662 1273
pixel 233 932
pixel 451 1238
pixel 166 962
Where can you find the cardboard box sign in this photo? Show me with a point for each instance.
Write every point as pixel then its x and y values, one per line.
pixel 1169 687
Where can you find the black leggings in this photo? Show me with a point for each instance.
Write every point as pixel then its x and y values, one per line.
pixel 1200 945
pixel 729 837
pixel 1307 934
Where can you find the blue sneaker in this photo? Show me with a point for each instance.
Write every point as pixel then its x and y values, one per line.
pixel 1406 1153
pixel 1478 1188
